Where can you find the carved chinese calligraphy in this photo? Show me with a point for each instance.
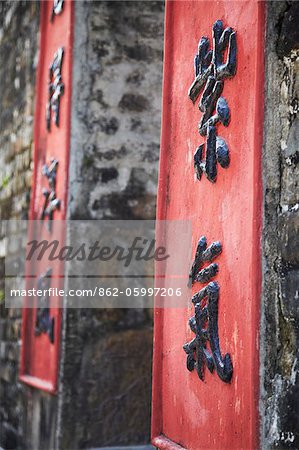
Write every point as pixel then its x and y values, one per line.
pixel 210 73
pixel 51 202
pixel 44 322
pixel 55 89
pixel 57 8
pixel 204 323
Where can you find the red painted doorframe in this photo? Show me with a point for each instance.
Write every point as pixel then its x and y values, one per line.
pixel 39 357
pixel 187 412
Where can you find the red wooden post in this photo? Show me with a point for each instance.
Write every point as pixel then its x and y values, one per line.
pixel 187 411
pixel 40 351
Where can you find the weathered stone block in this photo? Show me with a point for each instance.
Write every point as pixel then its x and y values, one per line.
pixel 289 226
pixel 116 385
pixel 8 372
pixel 3 329
pixel 279 330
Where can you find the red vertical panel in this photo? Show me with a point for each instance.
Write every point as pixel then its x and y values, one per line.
pixel 40 357
pixel 186 411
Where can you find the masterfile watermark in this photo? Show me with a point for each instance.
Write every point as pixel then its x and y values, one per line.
pixel 97 264
pixel 141 250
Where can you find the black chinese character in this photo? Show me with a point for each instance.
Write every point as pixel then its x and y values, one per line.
pixel 56 89
pixel 57 8
pixel 44 322
pixel 204 323
pixel 51 202
pixel 210 73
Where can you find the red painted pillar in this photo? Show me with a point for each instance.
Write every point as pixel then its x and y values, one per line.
pixel 194 408
pixel 41 334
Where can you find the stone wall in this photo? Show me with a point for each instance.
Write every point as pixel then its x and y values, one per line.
pixel 279 328
pixel 19 22
pixel 105 381
pixel 117 80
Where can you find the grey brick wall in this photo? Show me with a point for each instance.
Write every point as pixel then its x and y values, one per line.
pixel 116 112
pixel 18 56
pixel 279 327
pixel 116 109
